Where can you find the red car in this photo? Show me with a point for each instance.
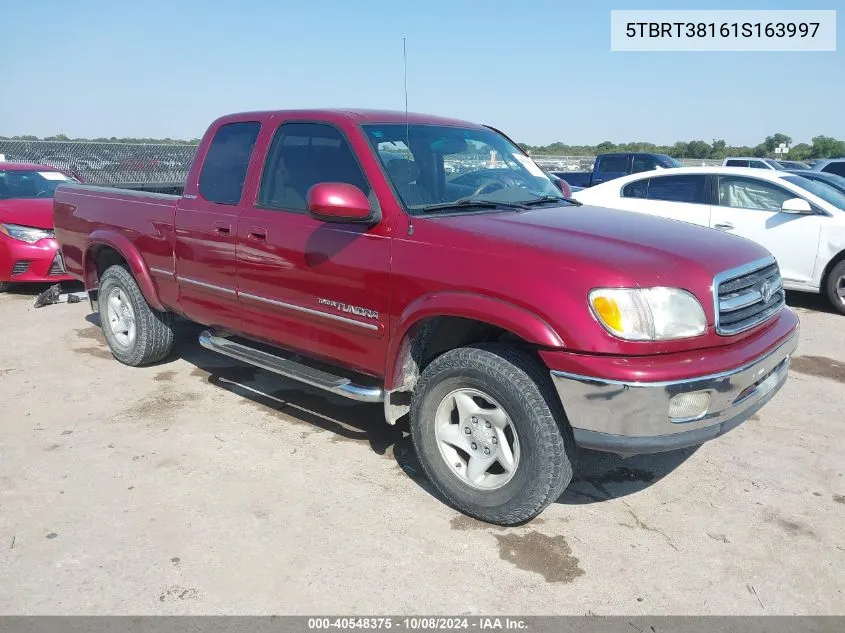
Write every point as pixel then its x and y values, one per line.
pixel 28 248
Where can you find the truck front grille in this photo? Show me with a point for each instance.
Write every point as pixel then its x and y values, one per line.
pixel 20 267
pixel 747 296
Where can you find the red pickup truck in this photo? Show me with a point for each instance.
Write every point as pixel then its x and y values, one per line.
pixel 357 251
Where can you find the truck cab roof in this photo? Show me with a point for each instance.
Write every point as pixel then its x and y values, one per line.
pixel 355 115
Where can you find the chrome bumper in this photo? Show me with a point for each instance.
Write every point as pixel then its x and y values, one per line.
pixel 630 418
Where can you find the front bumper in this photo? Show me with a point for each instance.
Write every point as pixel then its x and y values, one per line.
pixel 25 263
pixel 631 418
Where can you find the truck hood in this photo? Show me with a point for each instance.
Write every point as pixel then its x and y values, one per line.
pixel 35 212
pixel 642 249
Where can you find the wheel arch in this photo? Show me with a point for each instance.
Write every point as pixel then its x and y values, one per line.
pixel 437 323
pixel 834 261
pixel 106 248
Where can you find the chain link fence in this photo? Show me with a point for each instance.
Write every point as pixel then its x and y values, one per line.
pixel 112 164
pixel 162 167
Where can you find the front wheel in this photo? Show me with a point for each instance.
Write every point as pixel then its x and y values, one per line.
pixel 835 287
pixel 136 333
pixel 490 433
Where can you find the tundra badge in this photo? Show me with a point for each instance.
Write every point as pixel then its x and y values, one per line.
pixel 345 307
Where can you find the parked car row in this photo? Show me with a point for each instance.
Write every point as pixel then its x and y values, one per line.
pixel 615 165
pixel 828 165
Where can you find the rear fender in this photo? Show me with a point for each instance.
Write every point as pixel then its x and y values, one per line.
pixel 507 316
pixel 130 254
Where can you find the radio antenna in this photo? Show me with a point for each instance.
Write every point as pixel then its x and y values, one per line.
pixel 407 126
pixel 405 73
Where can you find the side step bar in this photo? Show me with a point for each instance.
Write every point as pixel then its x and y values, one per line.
pixel 291 369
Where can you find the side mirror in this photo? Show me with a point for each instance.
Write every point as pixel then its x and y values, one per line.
pixel 561 184
pixel 796 206
pixel 339 202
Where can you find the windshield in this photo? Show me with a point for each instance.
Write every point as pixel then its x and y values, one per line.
pixel 449 169
pixel 15 184
pixel 820 189
pixel 668 161
pixel 831 180
pixel 773 163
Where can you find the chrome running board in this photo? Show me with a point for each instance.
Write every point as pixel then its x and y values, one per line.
pixel 217 342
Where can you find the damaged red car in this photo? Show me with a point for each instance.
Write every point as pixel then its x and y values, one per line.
pixel 28 248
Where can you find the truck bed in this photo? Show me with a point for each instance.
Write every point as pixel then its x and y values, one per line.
pixel 84 214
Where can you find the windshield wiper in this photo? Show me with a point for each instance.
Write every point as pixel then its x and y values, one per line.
pixel 545 199
pixel 469 203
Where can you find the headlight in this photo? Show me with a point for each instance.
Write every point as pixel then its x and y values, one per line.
pixel 25 233
pixel 648 314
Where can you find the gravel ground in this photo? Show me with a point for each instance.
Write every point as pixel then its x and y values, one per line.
pixel 203 486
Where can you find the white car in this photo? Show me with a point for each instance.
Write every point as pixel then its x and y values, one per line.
pixel 800 221
pixel 752 161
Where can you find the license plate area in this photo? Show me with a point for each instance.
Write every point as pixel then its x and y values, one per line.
pixel 765 385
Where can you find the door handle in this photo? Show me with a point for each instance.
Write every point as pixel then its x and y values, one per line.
pixel 723 226
pixel 257 233
pixel 221 228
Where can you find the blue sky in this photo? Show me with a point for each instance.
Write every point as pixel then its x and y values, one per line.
pixel 542 71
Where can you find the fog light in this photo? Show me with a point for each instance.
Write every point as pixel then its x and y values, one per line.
pixel 686 407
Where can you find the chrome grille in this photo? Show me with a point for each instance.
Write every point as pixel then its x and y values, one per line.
pixel 20 267
pixel 747 296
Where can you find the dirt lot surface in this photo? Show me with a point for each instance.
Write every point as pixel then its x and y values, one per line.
pixel 203 486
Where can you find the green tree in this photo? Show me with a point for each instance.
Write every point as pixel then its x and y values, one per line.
pixel 775 140
pixel 698 149
pixel 678 150
pixel 799 151
pixel 826 147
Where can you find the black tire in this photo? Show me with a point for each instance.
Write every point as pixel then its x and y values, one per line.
pixel 832 287
pixel 4 286
pixel 154 330
pixel 523 389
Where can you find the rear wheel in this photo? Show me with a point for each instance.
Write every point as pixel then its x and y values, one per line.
pixel 835 287
pixel 490 433
pixel 136 333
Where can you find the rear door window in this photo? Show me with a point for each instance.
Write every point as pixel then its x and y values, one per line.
pixel 686 188
pixel 613 164
pixel 224 168
pixel 644 163
pixel 736 163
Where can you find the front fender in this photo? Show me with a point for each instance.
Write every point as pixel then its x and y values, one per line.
pixel 127 250
pixel 514 319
